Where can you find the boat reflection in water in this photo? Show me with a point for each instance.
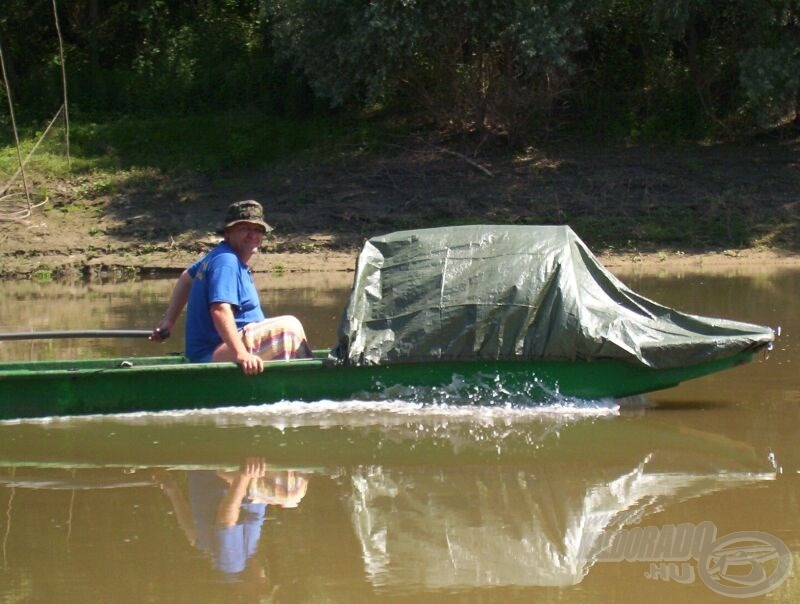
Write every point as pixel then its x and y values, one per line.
pixel 413 531
pixel 405 503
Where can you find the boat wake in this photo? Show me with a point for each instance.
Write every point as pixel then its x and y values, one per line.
pixel 485 399
pixel 356 413
pixel 384 411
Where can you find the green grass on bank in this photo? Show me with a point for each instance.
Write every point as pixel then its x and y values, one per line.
pixel 204 143
pixel 675 197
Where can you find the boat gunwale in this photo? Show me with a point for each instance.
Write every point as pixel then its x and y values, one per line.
pixel 181 364
pixel 115 365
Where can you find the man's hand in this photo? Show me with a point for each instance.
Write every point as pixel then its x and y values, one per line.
pixel 161 331
pixel 251 364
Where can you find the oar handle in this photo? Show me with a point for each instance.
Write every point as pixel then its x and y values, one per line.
pixel 85 333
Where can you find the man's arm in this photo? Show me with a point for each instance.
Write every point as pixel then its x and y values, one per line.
pixel 177 302
pixel 232 347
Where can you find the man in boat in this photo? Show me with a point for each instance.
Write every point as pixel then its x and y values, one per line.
pixel 224 319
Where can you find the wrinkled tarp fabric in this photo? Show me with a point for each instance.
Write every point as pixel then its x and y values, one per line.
pixel 514 292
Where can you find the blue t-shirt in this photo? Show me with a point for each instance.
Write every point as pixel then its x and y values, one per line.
pixel 219 276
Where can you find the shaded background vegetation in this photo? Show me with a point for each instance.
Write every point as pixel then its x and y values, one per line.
pixel 636 69
pixel 354 117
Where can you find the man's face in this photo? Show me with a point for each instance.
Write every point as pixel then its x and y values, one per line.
pixel 244 238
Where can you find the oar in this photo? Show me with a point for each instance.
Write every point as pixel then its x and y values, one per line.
pixel 81 333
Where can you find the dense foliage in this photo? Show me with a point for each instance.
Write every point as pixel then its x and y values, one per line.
pixel 147 57
pixel 628 68
pixel 486 64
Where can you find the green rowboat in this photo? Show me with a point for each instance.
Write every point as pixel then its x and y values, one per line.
pixel 123 385
pixel 479 314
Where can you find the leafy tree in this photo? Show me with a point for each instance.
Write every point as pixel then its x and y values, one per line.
pixel 769 67
pixel 686 69
pixel 147 57
pixel 653 69
pixel 490 65
pixel 742 56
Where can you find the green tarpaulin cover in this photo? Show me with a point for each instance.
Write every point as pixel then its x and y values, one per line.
pixel 514 292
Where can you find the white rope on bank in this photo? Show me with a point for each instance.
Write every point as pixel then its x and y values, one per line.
pixel 31 152
pixel 23 213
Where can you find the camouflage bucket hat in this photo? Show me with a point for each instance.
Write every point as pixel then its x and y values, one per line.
pixel 246 211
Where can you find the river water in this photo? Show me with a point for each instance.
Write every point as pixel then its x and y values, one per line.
pixel 689 494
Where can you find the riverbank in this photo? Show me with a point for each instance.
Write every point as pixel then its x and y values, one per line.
pixel 688 209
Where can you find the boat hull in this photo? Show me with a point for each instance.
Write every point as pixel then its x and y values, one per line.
pixel 124 385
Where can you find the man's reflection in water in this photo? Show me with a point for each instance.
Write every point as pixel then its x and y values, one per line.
pixel 224 512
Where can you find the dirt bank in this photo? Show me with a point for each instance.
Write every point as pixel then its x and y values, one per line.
pixel 635 207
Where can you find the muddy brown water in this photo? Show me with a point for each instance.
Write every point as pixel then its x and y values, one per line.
pixel 689 494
